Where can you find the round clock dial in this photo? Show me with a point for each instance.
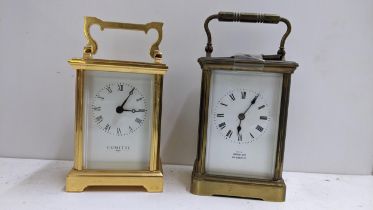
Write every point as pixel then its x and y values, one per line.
pixel 241 116
pixel 119 109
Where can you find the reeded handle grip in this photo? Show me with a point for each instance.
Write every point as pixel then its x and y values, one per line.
pixel 91 46
pixel 249 18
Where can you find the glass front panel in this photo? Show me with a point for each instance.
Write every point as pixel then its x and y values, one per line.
pixel 243 123
pixel 118 120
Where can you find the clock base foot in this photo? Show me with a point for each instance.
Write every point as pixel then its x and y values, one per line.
pixel 263 190
pixel 79 180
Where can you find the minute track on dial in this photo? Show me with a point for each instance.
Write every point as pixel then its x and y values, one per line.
pixel 241 116
pixel 120 120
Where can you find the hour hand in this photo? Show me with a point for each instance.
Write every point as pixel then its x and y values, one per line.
pixel 134 110
pixel 251 103
pixel 239 135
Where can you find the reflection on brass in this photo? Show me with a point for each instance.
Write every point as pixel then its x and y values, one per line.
pixel 273 189
pixel 79 178
pixel 91 46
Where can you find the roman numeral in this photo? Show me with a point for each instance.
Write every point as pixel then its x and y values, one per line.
pixel 108 89
pixel 99 119
pixel 259 128
pixel 251 135
pixel 243 94
pixel 229 133
pixel 222 125
pixel 232 97
pixel 107 128
pixel 96 108
pixel 131 129
pixel 223 104
pixel 100 97
pixel 263 117
pixel 138 120
pixel 220 115
pixel 139 99
pixel 120 87
pixel 261 107
pixel 119 132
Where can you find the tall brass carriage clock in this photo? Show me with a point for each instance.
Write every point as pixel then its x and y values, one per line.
pixel 243 113
pixel 118 116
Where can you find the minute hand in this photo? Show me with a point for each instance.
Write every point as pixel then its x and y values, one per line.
pixel 241 117
pixel 129 94
pixel 120 108
pixel 252 103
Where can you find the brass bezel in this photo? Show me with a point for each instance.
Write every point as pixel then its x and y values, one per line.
pixel 152 180
pixel 206 184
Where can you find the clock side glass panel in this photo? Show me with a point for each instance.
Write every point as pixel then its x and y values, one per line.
pixel 242 128
pixel 117 120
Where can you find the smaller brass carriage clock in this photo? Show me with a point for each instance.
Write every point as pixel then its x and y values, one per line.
pixel 243 113
pixel 118 116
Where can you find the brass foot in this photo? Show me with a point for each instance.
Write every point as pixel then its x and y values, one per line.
pixel 77 181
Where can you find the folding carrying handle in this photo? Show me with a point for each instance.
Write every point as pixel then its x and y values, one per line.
pixel 91 46
pixel 249 18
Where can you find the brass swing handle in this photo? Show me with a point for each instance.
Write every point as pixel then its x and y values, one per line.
pixel 91 46
pixel 249 18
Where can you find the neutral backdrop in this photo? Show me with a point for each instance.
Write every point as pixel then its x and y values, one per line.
pixel 330 124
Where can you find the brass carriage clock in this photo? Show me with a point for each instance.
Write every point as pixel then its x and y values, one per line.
pixel 243 113
pixel 118 116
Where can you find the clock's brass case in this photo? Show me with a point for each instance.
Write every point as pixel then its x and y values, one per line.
pixel 209 184
pixel 152 180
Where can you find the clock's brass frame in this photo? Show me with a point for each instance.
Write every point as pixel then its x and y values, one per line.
pixel 209 184
pixel 152 180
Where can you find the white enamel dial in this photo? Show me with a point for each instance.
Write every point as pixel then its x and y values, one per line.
pixel 117 120
pixel 119 109
pixel 243 121
pixel 242 115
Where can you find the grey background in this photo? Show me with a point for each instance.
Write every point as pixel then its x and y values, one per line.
pixel 331 107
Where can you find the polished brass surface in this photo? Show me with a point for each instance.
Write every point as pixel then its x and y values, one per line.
pixel 79 178
pixel 156 127
pixel 118 66
pixel 79 90
pixel 272 189
pixel 250 18
pixel 91 46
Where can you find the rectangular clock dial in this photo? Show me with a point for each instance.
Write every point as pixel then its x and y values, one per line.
pixel 118 120
pixel 243 122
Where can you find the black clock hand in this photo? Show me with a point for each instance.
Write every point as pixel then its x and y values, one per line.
pixel 238 132
pixel 241 117
pixel 120 109
pixel 134 110
pixel 251 103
